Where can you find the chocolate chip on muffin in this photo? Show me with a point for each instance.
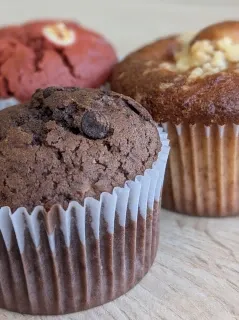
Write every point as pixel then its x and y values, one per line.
pixel 95 125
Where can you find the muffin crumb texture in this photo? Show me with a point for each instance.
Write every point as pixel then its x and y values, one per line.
pixel 68 143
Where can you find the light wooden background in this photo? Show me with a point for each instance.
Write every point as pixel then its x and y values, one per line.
pixel 196 273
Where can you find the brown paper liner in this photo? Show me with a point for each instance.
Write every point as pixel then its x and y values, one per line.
pixel 78 277
pixel 202 176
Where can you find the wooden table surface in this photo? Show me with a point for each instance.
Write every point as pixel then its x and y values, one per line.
pixel 196 272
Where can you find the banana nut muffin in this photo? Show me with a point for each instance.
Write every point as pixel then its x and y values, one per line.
pixel 190 83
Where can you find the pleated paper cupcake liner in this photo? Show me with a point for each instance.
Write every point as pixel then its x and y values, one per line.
pixel 202 176
pixel 65 261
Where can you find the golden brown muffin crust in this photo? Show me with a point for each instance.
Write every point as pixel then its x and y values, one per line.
pixel 207 93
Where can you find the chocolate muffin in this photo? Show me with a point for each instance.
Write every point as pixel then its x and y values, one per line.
pixel 81 180
pixel 189 83
pixel 43 53
pixel 78 143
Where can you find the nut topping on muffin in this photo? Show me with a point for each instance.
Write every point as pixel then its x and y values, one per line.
pixel 186 79
pixel 59 34
pixel 209 52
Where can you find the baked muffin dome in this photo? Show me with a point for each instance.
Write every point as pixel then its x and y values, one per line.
pixel 45 53
pixel 70 143
pixel 190 84
pixel 186 79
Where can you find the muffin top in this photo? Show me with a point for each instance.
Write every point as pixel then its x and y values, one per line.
pixel 186 78
pixel 70 143
pixel 44 53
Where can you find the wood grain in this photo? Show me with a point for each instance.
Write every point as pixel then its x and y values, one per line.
pixel 196 272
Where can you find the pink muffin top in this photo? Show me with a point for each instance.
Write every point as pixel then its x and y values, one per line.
pixel 38 54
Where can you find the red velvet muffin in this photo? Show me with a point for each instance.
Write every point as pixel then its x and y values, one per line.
pixel 38 54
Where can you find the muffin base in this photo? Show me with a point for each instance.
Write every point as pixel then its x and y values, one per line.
pixel 71 279
pixel 202 175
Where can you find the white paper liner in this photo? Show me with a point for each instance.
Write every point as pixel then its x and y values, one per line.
pixel 202 176
pixel 5 103
pixel 139 194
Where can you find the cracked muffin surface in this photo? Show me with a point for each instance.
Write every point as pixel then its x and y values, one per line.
pixel 70 143
pixel 44 53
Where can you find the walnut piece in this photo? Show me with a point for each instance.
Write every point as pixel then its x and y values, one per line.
pixel 203 57
pixel 59 34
